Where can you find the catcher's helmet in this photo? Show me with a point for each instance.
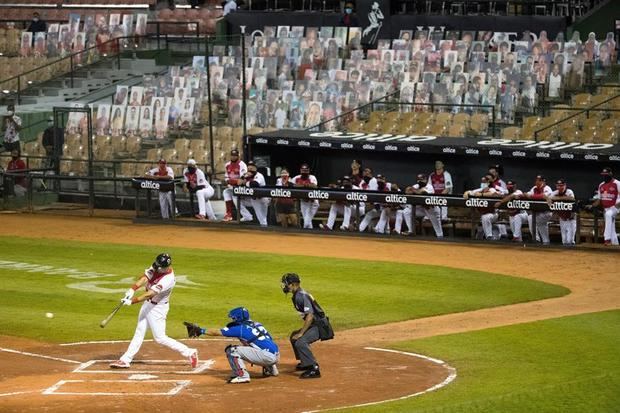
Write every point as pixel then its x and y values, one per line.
pixel 162 261
pixel 287 279
pixel 239 314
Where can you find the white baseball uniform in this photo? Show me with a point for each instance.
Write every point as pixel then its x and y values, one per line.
pixel 166 203
pixel 372 212
pixel 568 221
pixel 260 205
pixel 204 191
pixel 308 208
pixel 517 218
pixel 432 213
pixel 441 182
pixel 488 216
pixel 342 208
pixel 153 315
pixel 233 172
pixel 542 218
pixel 609 197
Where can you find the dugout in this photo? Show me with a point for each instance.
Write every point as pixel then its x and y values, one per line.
pixel 400 157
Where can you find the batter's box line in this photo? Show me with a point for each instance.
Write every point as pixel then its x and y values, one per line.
pixel 179 385
pixel 202 366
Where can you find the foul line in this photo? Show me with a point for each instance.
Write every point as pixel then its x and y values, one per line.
pixel 15 393
pixel 80 343
pixel 24 353
pixel 447 381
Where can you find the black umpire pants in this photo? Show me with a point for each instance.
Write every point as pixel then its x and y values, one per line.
pixel 301 347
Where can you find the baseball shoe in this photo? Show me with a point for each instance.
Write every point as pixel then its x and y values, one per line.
pixel 515 239
pixel 300 367
pixel 119 364
pixel 270 371
pixel 239 380
pixel 193 359
pixel 344 228
pixel 227 218
pixel 313 373
pixel 244 219
pixel 324 227
pixel 199 216
pixel 607 242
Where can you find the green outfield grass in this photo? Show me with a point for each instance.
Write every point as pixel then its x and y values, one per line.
pixel 567 365
pixel 355 293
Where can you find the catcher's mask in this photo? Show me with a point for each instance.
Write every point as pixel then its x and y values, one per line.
pixel 287 279
pixel 162 261
pixel 239 314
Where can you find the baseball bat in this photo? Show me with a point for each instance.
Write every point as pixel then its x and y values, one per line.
pixel 106 320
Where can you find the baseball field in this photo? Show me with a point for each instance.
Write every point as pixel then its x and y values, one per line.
pixel 420 326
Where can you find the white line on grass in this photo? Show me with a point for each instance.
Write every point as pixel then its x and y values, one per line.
pixel 180 385
pixel 448 380
pixel 25 353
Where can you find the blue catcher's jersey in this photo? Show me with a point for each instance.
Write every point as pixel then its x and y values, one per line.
pixel 252 334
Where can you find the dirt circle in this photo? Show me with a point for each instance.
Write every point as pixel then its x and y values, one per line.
pixel 352 374
pixel 77 378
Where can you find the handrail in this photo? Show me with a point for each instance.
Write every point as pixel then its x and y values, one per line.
pixel 580 111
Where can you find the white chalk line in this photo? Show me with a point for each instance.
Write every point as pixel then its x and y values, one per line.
pixel 202 366
pixel 16 393
pixel 179 385
pixel 25 353
pixel 80 343
pixel 448 380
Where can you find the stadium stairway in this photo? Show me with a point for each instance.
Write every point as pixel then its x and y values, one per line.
pixel 98 78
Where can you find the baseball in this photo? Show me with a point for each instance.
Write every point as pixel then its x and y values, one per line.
pixel 49 315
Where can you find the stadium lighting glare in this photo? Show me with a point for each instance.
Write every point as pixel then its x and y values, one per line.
pixel 30 82
pixel 105 55
pixel 6 91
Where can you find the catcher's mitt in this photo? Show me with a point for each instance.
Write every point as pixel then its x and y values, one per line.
pixel 193 330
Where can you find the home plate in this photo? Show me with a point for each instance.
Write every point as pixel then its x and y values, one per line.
pixel 142 377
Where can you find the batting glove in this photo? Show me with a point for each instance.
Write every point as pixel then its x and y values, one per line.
pixel 126 301
pixel 129 294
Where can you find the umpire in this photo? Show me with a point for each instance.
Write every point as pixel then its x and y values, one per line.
pixel 301 339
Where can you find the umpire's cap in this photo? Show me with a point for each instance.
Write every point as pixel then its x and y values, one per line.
pixel 290 278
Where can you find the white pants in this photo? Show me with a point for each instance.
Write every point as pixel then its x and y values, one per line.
pixel 432 213
pixel 165 204
pixel 568 229
pixel 334 210
pixel 487 220
pixel 368 217
pixel 260 206
pixel 154 317
pixel 542 226
pixel 204 205
pixel 516 222
pixel 383 226
pixel 444 213
pixel 228 195
pixel 236 356
pixel 403 214
pixel 610 225
pixel 308 210
pixel 20 190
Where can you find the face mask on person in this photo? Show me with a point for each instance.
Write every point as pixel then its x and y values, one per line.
pixel 251 174
pixel 191 169
pixel 381 185
pixel 366 179
pixel 15 157
pixel 348 10
pixel 35 19
pixel 484 185
pixel 607 178
pixel 10 113
pixel 50 123
pixel 421 184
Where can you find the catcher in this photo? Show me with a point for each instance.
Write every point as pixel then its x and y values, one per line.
pixel 258 346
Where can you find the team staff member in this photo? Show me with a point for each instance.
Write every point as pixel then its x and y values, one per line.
pixel 568 221
pixel 308 208
pixel 539 192
pixel 301 339
pixel 424 187
pixel 285 208
pixel 608 198
pixel 488 215
pixel 343 208
pixel 12 126
pixel 235 169
pixel 196 182
pixel 159 282
pixel 257 346
pixel 517 217
pixel 163 173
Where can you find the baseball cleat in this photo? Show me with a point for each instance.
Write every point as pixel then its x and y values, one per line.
pixel 313 373
pixel 344 228
pixel 199 216
pixel 239 380
pixel 228 218
pixel 324 227
pixel 193 359
pixel 119 364
pixel 269 371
